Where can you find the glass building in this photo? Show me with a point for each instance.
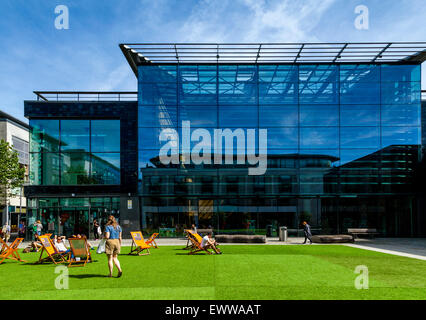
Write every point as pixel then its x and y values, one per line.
pixel 340 135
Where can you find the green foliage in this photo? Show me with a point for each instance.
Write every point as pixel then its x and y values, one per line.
pixel 11 172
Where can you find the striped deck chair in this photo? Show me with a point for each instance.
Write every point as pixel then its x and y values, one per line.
pixel 151 241
pixel 196 244
pixel 80 253
pixel 189 243
pixel 138 244
pixel 11 252
pixel 3 246
pixel 52 253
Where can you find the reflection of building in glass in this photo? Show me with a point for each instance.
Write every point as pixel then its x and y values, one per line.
pixel 343 140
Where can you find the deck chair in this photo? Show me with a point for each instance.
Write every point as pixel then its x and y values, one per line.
pixel 138 244
pixel 3 246
pixel 196 244
pixel 11 252
pixel 189 243
pixel 80 254
pixel 52 253
pixel 151 241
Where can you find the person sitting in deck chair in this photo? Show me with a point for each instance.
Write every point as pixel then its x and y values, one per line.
pixel 60 245
pixel 209 243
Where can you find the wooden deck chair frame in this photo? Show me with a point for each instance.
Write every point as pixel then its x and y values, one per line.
pixel 151 241
pixel 52 254
pixel 4 246
pixel 196 245
pixel 189 243
pixel 138 244
pixel 11 252
pixel 81 252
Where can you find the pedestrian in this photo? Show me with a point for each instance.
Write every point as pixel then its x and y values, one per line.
pixel 39 227
pixel 6 232
pixel 307 232
pixel 194 228
pixel 21 229
pixel 113 245
pixel 96 229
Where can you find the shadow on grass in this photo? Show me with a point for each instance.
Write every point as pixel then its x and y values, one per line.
pixel 87 276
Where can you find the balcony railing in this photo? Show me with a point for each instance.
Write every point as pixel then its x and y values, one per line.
pixel 86 95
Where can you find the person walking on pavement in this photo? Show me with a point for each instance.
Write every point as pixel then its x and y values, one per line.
pixel 307 232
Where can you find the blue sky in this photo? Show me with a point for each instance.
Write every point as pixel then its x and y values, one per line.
pixel 35 55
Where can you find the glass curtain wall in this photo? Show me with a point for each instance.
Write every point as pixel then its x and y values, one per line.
pixel 74 152
pixel 339 137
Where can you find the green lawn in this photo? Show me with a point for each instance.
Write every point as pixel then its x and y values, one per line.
pixel 242 272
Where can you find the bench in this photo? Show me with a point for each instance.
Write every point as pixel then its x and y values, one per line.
pixel 338 238
pixel 240 238
pixel 362 231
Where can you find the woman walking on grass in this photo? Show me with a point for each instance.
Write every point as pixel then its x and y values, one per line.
pixel 113 245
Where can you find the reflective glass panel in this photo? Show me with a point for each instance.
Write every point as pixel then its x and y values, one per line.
pixel 105 168
pixel 359 115
pixel 319 115
pixel 75 168
pixel 105 136
pixel 323 138
pixel 359 137
pixel 75 135
pixel 44 135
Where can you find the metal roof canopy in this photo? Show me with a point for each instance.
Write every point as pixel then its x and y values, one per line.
pixel 282 53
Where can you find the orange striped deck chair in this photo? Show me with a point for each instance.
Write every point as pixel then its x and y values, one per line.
pixel 52 254
pixel 80 253
pixel 151 241
pixel 196 243
pixel 189 243
pixel 138 244
pixel 11 252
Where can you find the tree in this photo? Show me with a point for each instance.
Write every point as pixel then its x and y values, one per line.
pixel 12 173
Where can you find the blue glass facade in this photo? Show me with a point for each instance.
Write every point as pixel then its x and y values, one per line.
pixel 342 144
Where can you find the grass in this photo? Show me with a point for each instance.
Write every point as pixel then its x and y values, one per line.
pixel 242 272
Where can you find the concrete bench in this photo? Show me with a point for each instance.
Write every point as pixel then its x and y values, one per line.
pixel 240 238
pixel 362 231
pixel 337 238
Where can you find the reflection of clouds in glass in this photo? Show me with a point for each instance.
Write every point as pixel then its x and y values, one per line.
pixel 360 137
pixel 319 137
pixel 349 155
pixel 400 136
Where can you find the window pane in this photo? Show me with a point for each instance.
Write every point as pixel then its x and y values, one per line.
pixel 400 136
pixel 400 92
pixel 157 94
pixel 319 115
pixel 360 92
pixel 323 138
pixel 157 116
pixel 360 73
pixel 354 155
pixel 318 73
pixel 164 73
pixel 401 72
pixel 75 135
pixel 359 115
pixel 230 116
pixel 75 168
pixel 278 116
pixel 401 115
pixel 198 115
pixel 282 138
pixel 359 137
pixel 105 168
pixel 278 73
pixel 318 92
pixel 278 93
pixel 105 135
pixel 44 135
pixel 44 168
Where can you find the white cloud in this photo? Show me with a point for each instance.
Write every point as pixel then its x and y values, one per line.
pixel 254 20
